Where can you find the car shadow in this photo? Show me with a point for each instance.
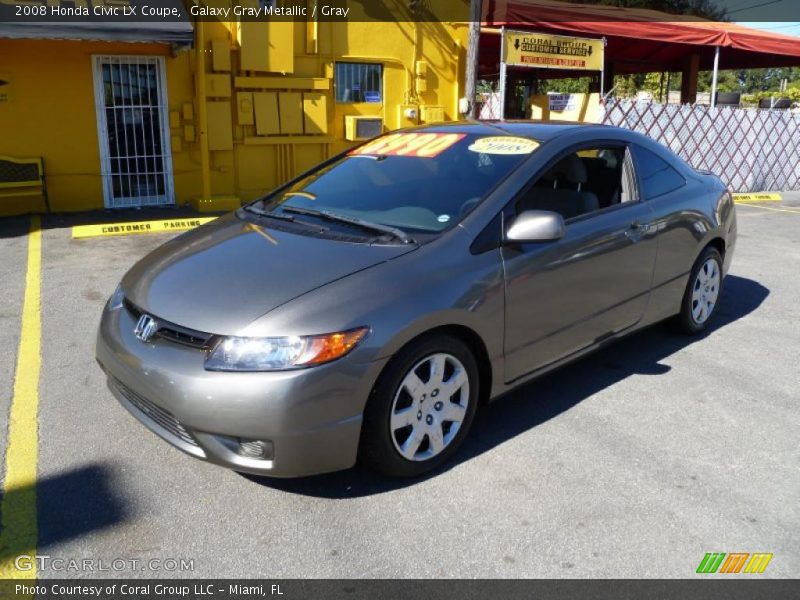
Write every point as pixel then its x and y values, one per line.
pixel 68 505
pixel 544 398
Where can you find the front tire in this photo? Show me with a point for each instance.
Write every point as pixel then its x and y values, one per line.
pixel 702 294
pixel 421 408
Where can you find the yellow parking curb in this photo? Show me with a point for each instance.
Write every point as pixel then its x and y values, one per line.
pixel 757 197
pixel 114 229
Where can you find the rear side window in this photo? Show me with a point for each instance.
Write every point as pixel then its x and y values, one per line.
pixel 657 176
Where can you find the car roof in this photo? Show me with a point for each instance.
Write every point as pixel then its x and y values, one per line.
pixel 538 130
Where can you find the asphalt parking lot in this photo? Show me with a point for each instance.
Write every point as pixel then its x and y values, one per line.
pixel 633 462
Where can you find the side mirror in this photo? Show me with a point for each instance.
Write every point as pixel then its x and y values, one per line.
pixel 535 226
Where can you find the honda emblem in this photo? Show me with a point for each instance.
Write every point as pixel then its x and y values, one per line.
pixel 145 328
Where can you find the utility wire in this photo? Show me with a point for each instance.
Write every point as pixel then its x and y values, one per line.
pixel 730 12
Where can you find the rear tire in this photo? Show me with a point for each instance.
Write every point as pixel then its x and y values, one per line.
pixel 702 295
pixel 422 407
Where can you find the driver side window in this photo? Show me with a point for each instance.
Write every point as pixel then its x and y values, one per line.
pixel 582 182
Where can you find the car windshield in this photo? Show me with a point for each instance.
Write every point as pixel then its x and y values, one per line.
pixel 414 183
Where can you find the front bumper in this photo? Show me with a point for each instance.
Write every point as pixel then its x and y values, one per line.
pixel 311 417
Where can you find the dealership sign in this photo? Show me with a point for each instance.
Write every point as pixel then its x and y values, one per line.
pixel 528 49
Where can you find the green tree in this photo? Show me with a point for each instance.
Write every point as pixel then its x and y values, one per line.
pixel 750 81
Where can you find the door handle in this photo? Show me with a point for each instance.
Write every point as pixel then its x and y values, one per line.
pixel 635 231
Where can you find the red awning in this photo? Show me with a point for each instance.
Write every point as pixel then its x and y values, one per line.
pixel 641 40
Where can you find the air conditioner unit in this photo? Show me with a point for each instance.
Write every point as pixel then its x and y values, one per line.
pixel 357 128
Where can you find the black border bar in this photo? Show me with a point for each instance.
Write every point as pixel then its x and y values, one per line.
pixel 733 588
pixel 65 12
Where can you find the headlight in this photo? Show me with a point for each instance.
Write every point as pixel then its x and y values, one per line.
pixel 116 300
pixel 277 353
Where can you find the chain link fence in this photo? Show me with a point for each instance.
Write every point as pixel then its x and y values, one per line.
pixel 751 150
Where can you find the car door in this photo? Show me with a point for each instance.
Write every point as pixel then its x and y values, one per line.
pixel 565 295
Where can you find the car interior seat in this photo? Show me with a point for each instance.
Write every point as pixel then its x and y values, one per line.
pixel 604 177
pixel 560 190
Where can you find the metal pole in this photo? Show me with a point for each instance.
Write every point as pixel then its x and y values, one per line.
pixel 669 82
pixel 603 72
pixel 714 78
pixel 602 81
pixel 502 73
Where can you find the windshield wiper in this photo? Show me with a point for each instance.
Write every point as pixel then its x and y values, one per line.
pixel 265 213
pixel 281 217
pixel 368 225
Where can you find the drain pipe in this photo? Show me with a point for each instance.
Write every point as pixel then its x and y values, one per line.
pixel 202 113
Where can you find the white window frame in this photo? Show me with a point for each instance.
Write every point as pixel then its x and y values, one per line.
pixel 168 198
pixel 358 63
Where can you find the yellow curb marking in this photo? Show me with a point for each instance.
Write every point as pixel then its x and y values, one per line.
pixel 18 505
pixel 112 229
pixel 759 197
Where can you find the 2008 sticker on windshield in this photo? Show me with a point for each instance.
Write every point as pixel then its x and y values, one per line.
pixel 502 144
pixel 421 145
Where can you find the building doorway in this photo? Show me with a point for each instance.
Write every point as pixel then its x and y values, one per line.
pixel 133 130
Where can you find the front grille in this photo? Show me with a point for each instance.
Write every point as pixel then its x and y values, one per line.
pixel 170 331
pixel 162 417
pixel 183 337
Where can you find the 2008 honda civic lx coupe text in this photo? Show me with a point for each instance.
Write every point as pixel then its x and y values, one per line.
pixel 366 308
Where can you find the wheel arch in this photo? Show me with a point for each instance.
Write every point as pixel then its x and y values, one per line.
pixel 718 243
pixel 474 342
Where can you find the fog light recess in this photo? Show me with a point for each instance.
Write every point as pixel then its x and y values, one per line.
pixel 259 449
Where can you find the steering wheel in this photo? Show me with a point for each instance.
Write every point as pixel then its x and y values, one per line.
pixel 468 206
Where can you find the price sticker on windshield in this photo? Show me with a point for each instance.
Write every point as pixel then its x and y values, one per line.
pixel 503 144
pixel 421 145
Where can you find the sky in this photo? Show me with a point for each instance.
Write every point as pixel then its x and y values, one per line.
pixel 782 27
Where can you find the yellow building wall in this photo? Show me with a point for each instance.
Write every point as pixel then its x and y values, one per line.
pixel 52 110
pixel 282 81
pixel 51 114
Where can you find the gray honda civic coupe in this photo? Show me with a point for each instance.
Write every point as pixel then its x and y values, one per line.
pixel 364 310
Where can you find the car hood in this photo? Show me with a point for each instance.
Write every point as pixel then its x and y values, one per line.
pixel 224 275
